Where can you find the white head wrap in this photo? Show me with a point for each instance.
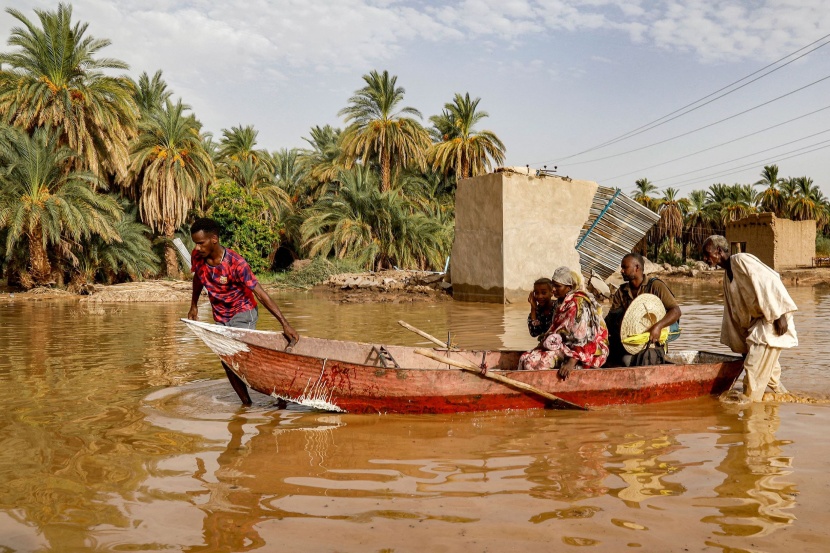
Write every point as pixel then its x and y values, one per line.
pixel 566 276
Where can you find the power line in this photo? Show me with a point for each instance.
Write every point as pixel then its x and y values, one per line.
pixel 658 120
pixel 651 126
pixel 753 154
pixel 749 166
pixel 786 155
pixel 704 126
pixel 716 146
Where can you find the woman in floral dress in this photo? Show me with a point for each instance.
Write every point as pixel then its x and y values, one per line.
pixel 577 337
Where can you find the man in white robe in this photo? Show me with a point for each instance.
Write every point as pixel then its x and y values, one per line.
pixel 757 315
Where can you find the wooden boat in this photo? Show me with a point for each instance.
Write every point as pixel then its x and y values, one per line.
pixel 359 377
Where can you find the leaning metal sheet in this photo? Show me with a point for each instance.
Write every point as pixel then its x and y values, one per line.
pixel 621 225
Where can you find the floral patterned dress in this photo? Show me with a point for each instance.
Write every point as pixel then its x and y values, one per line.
pixel 578 330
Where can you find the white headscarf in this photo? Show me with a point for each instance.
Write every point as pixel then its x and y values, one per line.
pixel 565 276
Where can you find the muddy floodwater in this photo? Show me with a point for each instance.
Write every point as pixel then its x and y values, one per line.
pixel 118 432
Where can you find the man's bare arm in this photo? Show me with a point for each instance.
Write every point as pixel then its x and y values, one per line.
pixel 271 306
pixel 193 314
pixel 672 316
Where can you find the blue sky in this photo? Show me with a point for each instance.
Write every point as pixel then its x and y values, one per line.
pixel 556 76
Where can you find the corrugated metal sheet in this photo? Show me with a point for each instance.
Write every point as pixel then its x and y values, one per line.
pixel 623 224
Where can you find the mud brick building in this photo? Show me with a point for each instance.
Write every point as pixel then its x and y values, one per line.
pixel 780 243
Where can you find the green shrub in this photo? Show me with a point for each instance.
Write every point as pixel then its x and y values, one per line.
pixel 245 229
pixel 314 273
pixel 671 253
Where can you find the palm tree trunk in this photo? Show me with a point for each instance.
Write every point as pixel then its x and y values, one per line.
pixel 385 171
pixel 171 260
pixel 38 257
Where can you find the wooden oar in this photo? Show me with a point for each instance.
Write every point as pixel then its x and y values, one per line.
pixel 471 367
pixel 423 334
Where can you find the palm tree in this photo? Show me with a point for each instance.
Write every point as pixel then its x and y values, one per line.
pixel 641 194
pixel 377 132
pixel 238 144
pixel 771 199
pixel 671 209
pixel 132 255
pixel 432 192
pixel 258 180
pixel 323 161
pixel 443 127
pixel 642 190
pixel 806 202
pixel 290 173
pixel 463 151
pixel 45 204
pixel 789 187
pixel 698 224
pixel 151 94
pixel 731 203
pixel 376 228
pixel 55 79
pixel 170 171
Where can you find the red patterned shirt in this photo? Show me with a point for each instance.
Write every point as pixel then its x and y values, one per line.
pixel 229 285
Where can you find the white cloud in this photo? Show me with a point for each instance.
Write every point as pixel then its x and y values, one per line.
pixel 265 39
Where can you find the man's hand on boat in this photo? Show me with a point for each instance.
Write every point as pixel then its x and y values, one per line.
pixel 566 368
pixel 193 313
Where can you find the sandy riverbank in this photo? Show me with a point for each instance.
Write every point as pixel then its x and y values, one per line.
pixel 381 287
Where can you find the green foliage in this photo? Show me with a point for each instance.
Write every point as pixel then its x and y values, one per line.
pixel 315 272
pixel 130 256
pixel 670 252
pixel 45 206
pixel 822 245
pixel 378 229
pixel 461 150
pixel 245 230
pixel 56 77
pixel 379 131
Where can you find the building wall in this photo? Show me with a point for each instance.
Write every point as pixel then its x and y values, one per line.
pixel 780 243
pixel 476 262
pixel 795 243
pixel 756 232
pixel 511 229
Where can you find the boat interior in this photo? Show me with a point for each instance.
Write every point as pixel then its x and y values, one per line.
pixel 391 357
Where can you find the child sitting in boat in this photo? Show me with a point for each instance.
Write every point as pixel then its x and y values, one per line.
pixel 577 337
pixel 541 307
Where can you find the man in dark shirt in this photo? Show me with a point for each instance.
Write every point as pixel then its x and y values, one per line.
pixel 635 284
pixel 232 290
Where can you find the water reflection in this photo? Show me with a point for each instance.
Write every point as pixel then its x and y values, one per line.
pixel 754 496
pixel 343 469
pixel 91 458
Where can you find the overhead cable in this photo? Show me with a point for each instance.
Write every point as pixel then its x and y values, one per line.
pixel 765 161
pixel 659 121
pixel 716 146
pixel 704 126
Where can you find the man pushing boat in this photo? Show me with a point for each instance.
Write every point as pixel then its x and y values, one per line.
pixel 232 290
pixel 757 315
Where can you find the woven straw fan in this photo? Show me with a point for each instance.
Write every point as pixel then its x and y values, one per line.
pixel 645 310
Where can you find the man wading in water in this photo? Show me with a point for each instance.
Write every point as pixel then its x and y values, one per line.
pixel 231 288
pixel 757 315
